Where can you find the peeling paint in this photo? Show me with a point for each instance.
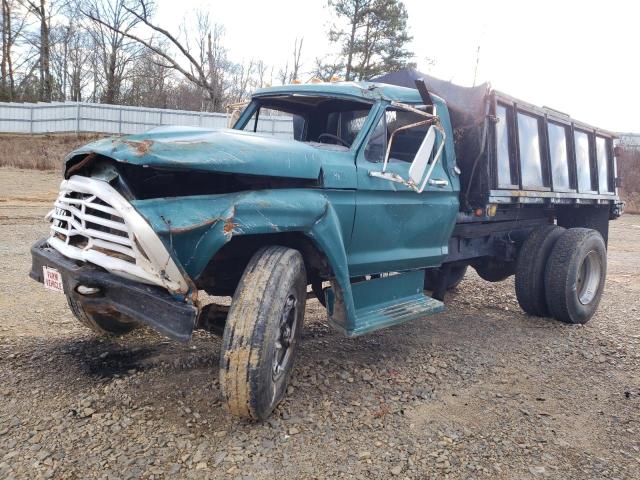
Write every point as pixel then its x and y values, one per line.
pixel 229 226
pixel 141 147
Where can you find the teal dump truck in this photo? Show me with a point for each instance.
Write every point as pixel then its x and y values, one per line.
pixel 373 197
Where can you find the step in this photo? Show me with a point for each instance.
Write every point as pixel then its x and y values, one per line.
pixel 390 300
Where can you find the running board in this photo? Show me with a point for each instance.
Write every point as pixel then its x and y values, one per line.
pixel 382 302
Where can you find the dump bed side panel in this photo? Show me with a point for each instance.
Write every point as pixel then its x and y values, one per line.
pixel 535 155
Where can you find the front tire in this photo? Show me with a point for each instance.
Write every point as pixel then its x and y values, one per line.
pixel 102 324
pixel 262 332
pixel 575 275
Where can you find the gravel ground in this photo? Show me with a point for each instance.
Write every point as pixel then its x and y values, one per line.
pixel 481 391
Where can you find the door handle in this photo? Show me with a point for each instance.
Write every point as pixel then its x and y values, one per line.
pixel 438 182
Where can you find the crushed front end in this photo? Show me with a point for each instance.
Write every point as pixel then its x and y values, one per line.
pixel 103 255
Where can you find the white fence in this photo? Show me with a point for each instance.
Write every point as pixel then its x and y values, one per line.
pixel 59 117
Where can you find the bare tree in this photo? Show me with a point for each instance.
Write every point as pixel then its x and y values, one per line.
pixel 6 69
pixel 150 84
pixel 72 47
pixel 39 10
pixel 297 53
pixel 13 23
pixel 287 76
pixel 284 75
pixel 261 72
pixel 328 70
pixel 112 23
pixel 242 81
pixel 205 68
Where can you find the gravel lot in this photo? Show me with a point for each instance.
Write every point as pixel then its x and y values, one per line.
pixel 481 391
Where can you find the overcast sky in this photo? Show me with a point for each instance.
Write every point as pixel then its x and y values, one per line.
pixel 580 57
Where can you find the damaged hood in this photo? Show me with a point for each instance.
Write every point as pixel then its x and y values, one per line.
pixel 223 150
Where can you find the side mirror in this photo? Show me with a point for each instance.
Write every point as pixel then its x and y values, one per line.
pixel 423 163
pixel 421 160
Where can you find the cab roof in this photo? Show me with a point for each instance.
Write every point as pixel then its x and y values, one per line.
pixel 369 91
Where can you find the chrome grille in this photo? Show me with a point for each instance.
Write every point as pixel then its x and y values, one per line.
pixel 92 222
pixel 85 221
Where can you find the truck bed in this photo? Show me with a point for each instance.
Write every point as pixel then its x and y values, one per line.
pixel 512 153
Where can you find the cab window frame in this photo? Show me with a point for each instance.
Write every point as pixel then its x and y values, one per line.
pixel 382 118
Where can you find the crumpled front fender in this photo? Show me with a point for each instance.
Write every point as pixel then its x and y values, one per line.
pixel 195 228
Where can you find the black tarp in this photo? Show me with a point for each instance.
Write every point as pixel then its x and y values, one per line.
pixel 468 112
pixel 466 104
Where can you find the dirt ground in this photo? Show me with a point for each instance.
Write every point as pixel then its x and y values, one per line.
pixel 480 391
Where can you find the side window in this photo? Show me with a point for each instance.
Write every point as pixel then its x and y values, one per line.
pixel 406 142
pixel 377 144
pixel 503 150
pixel 530 156
pixel 347 124
pixel 276 123
pixel 602 153
pixel 583 163
pixel 559 156
pixel 251 124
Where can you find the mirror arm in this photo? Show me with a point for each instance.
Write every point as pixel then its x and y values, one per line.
pixel 432 118
pixel 405 127
pixel 392 177
pixel 434 162
pixel 411 108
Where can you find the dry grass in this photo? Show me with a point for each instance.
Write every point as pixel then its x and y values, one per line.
pixel 40 152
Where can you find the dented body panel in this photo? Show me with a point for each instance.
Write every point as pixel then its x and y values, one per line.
pixel 322 199
pixel 197 227
pixel 224 150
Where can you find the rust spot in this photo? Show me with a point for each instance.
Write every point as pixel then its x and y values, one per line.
pixel 188 228
pixel 229 226
pixel 141 147
pixel 80 164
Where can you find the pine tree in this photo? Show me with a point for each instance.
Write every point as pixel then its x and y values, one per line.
pixel 375 38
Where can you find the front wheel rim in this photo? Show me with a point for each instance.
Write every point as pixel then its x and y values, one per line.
pixel 588 280
pixel 285 340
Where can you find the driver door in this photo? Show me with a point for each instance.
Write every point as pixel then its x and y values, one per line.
pixel 395 227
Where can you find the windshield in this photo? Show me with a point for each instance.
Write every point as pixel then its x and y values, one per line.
pixel 321 121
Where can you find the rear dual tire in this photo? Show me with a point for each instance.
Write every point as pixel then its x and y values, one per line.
pixel 575 275
pixel 561 273
pixel 530 269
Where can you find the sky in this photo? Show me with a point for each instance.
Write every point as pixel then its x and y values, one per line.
pixel 579 57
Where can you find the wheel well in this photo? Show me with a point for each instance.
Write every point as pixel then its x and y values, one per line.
pixel 223 272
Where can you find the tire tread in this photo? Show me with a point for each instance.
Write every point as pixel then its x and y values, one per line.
pixel 557 275
pixel 530 269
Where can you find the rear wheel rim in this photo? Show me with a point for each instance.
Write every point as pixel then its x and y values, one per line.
pixel 588 281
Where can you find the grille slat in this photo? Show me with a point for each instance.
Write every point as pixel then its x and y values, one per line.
pixel 96 206
pixel 85 221
pixel 78 229
pixel 97 220
pixel 114 246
